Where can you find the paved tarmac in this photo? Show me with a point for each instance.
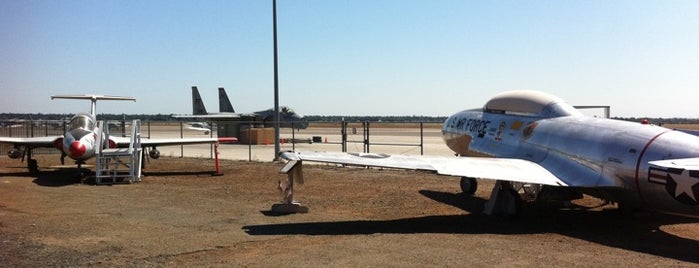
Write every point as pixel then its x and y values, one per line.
pixel 408 138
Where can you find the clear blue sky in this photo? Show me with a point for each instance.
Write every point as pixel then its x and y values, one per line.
pixel 350 57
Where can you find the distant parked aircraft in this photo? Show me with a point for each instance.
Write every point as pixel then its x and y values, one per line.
pixel 288 117
pixel 79 140
pixel 200 126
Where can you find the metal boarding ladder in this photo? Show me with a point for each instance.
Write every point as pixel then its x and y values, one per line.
pixel 117 165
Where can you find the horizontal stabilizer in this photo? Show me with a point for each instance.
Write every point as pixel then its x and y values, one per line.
pixel 680 163
pixel 92 97
pixel 689 131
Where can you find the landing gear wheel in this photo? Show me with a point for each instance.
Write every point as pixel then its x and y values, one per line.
pixel 468 185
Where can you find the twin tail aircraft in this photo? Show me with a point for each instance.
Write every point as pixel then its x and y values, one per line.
pixel 287 117
pixel 535 143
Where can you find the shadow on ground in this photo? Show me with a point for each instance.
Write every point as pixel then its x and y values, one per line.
pixel 640 233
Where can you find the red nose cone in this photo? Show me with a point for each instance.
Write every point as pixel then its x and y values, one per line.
pixel 77 149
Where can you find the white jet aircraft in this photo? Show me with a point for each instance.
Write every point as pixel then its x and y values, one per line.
pixel 78 142
pixel 200 126
pixel 534 143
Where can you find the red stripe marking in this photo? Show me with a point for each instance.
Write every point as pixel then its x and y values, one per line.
pixel 638 164
pixel 227 139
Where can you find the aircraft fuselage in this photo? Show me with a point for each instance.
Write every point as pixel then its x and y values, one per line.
pixel 80 140
pixel 609 157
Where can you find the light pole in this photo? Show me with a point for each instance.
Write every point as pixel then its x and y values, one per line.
pixel 277 148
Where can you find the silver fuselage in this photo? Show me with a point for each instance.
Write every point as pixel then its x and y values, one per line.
pixel 602 157
pixel 79 140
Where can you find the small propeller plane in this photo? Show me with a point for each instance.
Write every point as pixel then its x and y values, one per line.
pixel 536 144
pixel 78 142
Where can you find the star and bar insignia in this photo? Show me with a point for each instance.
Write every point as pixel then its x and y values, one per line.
pixel 681 184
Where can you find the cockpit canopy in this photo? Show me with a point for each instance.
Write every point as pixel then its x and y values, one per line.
pixel 83 121
pixel 529 103
pixel 287 110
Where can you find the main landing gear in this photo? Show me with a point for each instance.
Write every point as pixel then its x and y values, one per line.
pixel 468 185
pixel 32 165
pixel 504 198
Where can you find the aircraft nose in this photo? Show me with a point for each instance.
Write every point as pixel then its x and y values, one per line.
pixel 77 149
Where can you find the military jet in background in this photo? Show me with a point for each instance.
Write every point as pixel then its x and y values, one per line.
pixel 265 118
pixel 535 144
pixel 79 140
pixel 200 126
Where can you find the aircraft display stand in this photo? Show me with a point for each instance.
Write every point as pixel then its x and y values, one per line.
pixel 294 171
pixel 503 201
pixel 119 165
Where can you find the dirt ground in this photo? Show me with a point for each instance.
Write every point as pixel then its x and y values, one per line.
pixel 180 215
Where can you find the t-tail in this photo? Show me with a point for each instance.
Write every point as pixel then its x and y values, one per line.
pixel 197 104
pixel 94 99
pixel 224 105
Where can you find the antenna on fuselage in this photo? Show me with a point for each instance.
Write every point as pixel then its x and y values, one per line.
pixel 93 99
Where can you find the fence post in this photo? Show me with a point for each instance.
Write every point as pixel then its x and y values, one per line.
pixel 366 136
pixel 181 137
pixel 211 146
pixel 249 141
pixel 343 131
pixel 422 145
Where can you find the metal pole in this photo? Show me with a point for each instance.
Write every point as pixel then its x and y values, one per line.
pixel 250 142
pixel 367 137
pixel 422 146
pixel 123 125
pixel 277 147
pixel 344 135
pixel 181 136
pixel 293 137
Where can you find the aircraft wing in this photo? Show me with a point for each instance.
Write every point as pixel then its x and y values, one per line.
pixel 32 142
pixel 209 116
pixel 507 169
pixel 123 141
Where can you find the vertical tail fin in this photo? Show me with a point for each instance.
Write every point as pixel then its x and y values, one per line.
pixel 197 104
pixel 224 105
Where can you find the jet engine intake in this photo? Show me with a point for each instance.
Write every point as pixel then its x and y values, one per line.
pixel 14 153
pixel 154 153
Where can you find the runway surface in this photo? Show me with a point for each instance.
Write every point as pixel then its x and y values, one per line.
pixel 408 137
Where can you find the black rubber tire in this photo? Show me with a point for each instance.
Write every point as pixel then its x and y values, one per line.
pixel 468 185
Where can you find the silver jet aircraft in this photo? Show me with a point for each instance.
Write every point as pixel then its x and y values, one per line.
pixel 534 143
pixel 78 142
